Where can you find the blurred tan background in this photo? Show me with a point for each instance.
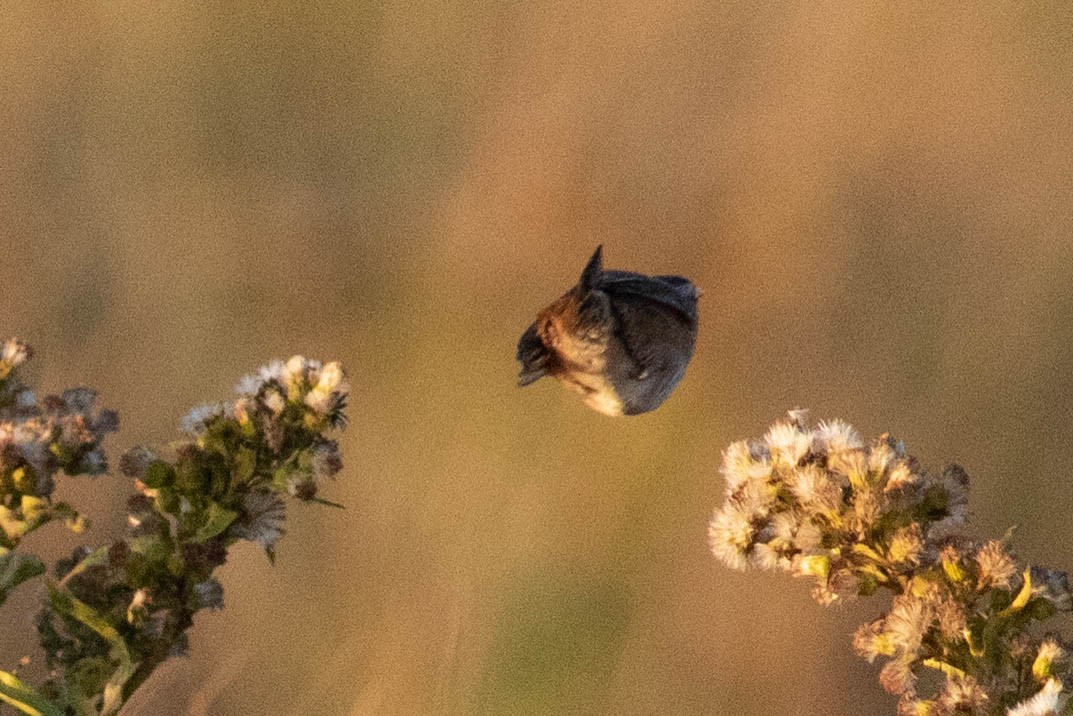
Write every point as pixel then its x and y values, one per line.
pixel 877 200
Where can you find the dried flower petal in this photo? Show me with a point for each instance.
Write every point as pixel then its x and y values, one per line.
pixel 1049 701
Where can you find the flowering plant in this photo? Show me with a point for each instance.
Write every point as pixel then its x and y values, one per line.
pixel 858 517
pixel 114 613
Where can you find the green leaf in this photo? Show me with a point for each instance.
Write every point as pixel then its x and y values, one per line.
pixel 190 479
pixel 63 602
pixel 85 680
pixel 280 476
pixel 244 463
pixel 16 568
pixel 24 698
pixel 1022 597
pixel 35 509
pixel 217 519
pixel 949 670
pixel 24 479
pixel 168 501
pixel 866 551
pixel 159 474
pixel 12 524
pixel 219 480
pixel 113 690
pixel 73 521
pixel 66 604
pixel 96 557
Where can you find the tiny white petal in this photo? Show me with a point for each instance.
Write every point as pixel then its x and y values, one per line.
pixel 274 402
pixel 1049 700
pixel 788 444
pixel 272 371
pixel 836 436
pixel 730 536
pixel 194 421
pixel 249 384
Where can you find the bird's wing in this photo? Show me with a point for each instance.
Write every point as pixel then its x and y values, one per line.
pixel 674 292
pixel 658 335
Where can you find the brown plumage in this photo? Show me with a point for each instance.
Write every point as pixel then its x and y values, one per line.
pixel 621 339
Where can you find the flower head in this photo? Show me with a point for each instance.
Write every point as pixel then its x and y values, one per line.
pixel 13 353
pixel 262 520
pixel 856 517
pixel 197 418
pixel 1049 701
pixel 835 436
pixel 730 535
pixel 787 442
pixel 995 566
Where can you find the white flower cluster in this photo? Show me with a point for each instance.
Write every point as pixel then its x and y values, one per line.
pixel 320 387
pixel 859 516
pixel 798 497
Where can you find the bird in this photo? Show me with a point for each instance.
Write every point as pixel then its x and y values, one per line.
pixel 621 339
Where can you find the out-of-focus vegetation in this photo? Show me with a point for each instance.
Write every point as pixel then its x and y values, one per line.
pixel 116 612
pixel 876 201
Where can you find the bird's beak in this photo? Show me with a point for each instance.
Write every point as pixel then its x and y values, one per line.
pixel 530 375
